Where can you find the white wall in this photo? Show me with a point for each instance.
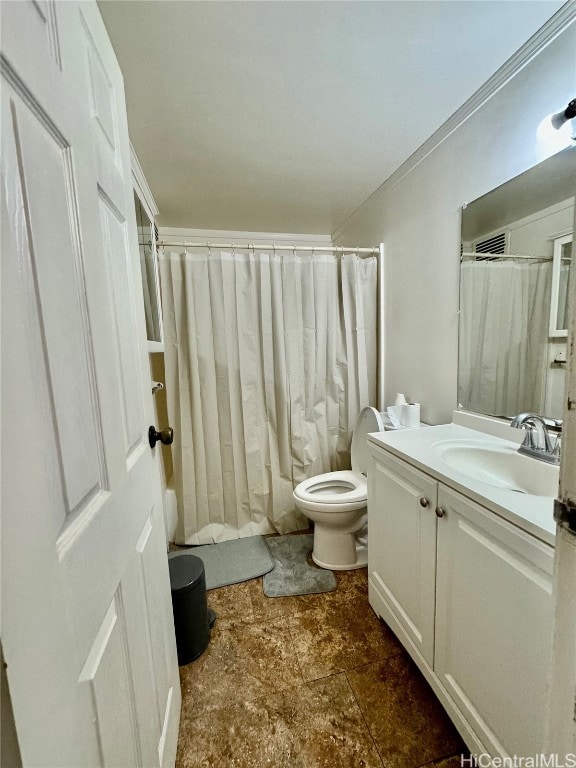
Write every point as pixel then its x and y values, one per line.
pixel 417 215
pixel 177 234
pixel 535 234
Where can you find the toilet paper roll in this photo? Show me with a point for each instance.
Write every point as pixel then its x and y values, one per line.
pixel 400 399
pixel 411 415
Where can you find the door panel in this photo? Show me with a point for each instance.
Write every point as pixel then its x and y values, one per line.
pixel 103 107
pixel 87 629
pixel 56 263
pixel 115 239
pixel 39 18
pixel 107 674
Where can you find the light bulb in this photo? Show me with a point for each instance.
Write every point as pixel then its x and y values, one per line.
pixel 552 140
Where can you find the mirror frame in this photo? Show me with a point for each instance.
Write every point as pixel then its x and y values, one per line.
pixel 554 331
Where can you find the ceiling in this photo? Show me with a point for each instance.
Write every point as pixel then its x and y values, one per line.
pixel 286 116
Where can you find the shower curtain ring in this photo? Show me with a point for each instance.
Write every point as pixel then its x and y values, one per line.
pixel 209 250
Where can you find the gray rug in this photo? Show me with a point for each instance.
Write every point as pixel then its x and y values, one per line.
pixel 292 575
pixel 230 562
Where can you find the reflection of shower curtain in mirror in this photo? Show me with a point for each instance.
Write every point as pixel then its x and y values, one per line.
pixel 505 307
pixel 269 359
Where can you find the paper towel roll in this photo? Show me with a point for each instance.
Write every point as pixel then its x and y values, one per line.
pixel 411 415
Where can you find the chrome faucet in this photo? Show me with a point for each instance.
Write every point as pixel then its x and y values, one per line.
pixel 537 442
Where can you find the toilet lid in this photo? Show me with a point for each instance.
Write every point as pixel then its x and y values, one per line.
pixel 369 420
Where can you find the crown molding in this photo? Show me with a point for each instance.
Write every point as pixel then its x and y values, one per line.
pixel 557 24
pixel 141 185
pixel 241 237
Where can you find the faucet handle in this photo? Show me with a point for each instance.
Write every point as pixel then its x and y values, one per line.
pixel 531 438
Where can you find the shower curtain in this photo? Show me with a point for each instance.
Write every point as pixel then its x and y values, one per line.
pixel 505 307
pixel 269 359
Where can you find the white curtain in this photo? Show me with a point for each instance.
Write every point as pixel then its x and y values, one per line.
pixel 269 359
pixel 505 308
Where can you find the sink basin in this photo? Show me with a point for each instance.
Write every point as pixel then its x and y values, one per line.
pixel 499 465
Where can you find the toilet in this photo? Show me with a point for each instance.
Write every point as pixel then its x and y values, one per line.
pixel 337 503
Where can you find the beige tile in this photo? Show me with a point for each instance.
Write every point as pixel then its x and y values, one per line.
pixel 351 585
pixel 312 726
pixel 273 608
pixel 232 604
pixel 408 723
pixel 337 637
pixel 240 663
pixel 245 702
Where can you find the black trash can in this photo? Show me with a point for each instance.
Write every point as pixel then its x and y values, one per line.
pixel 191 620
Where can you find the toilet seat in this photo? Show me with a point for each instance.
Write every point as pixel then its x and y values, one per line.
pixel 337 503
pixel 333 489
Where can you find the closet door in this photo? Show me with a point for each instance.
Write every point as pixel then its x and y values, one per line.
pixel 87 629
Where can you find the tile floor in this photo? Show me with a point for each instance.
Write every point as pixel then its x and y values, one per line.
pixel 304 682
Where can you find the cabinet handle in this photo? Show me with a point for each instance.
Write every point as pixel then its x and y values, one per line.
pixel 440 512
pixel 424 501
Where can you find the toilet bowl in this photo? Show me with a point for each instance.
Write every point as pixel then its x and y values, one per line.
pixel 336 503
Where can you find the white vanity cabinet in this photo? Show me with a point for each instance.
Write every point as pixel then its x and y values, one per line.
pixel 402 547
pixel 469 595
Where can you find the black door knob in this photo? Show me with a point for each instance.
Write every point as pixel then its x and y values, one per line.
pixel 166 436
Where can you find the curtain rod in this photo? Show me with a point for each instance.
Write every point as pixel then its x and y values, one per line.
pixel 271 247
pixel 480 256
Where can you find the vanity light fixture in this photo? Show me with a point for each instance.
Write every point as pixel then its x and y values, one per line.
pixel 555 132
pixel 562 117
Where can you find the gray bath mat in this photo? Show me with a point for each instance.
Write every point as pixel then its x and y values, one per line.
pixel 292 575
pixel 230 562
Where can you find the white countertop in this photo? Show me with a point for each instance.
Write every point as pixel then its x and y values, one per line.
pixel 534 514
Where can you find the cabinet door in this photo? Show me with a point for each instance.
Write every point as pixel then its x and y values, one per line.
pixel 493 624
pixel 402 547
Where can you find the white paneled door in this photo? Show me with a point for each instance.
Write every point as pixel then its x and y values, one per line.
pixel 87 629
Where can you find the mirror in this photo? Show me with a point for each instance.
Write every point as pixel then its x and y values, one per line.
pixel 149 270
pixel 516 243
